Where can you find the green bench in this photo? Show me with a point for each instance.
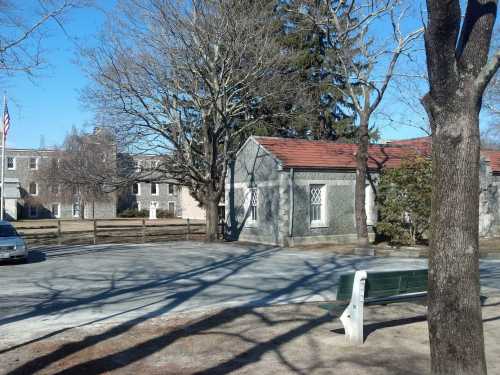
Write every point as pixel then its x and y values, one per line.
pixel 370 288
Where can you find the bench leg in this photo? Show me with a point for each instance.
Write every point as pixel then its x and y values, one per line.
pixel 352 317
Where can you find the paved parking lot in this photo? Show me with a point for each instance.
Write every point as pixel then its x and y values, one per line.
pixel 88 285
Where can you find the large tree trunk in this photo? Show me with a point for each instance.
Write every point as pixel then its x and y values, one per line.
pixel 455 322
pixel 359 197
pixel 458 74
pixel 212 219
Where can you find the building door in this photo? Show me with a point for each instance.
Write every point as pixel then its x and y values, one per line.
pixel 171 208
pixel 76 209
pixel 55 210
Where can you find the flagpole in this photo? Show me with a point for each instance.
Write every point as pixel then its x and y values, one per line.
pixel 2 199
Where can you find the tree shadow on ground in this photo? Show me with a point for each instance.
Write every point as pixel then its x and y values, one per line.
pixel 372 327
pixel 312 282
pixel 315 279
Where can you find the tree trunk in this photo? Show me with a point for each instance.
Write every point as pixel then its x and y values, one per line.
pixel 82 210
pixel 212 217
pixel 454 313
pixel 359 197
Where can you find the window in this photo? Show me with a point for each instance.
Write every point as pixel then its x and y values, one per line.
pixel 33 188
pixel 137 165
pixel 253 203
pixel 136 189
pixel 32 211
pixel 11 163
pixel 76 209
pixel 317 205
pixel 171 189
pixel 55 209
pixel 155 188
pixel 171 208
pixel 54 189
pixel 33 163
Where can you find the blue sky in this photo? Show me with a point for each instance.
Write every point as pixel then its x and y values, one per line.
pixel 48 106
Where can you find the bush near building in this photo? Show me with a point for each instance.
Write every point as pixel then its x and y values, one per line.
pixel 404 201
pixel 131 212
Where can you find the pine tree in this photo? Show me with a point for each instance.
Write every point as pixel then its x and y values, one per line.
pixel 314 109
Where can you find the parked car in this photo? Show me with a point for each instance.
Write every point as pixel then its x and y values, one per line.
pixel 12 246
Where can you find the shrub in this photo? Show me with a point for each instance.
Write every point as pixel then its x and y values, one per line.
pixel 163 214
pixel 132 212
pixel 404 200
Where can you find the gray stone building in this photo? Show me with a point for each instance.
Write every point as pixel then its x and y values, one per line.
pixel 291 192
pixel 26 197
pixel 151 191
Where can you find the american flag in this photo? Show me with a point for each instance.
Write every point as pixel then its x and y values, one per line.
pixel 6 120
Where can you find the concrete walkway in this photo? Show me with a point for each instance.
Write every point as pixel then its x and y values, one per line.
pixel 91 285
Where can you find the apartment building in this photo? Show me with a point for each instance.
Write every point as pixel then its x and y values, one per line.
pixel 154 190
pixel 28 197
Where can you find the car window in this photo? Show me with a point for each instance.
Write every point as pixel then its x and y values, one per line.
pixel 7 231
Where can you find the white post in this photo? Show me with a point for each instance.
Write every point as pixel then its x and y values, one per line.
pixel 2 198
pixel 352 318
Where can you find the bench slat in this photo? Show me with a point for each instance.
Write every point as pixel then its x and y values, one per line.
pixel 385 284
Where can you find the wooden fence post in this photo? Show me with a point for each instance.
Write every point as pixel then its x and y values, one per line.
pixel 188 233
pixel 59 239
pixel 95 231
pixel 143 230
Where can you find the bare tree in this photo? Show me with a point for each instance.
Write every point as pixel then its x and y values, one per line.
pixel 457 62
pixel 186 82
pixel 22 30
pixel 367 68
pixel 82 172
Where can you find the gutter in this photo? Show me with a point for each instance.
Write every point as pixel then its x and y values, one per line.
pixel 290 210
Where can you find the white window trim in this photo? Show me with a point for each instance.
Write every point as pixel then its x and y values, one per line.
pixel 29 211
pixel 13 162
pixel 168 206
pixel 138 165
pixel 58 209
pixel 138 189
pixel 249 222
pixel 157 189
pixel 36 163
pixel 323 222
pixel 36 189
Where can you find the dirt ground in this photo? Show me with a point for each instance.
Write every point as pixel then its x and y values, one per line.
pixel 285 339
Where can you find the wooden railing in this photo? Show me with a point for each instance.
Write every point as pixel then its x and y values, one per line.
pixel 108 231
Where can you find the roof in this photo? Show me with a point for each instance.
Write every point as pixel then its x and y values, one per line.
pixel 494 158
pixel 301 153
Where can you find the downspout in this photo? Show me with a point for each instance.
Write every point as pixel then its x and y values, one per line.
pixel 290 211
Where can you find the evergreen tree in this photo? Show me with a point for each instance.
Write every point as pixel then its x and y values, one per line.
pixel 318 110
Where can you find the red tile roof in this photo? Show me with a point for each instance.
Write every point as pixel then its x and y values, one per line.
pixel 301 153
pixel 494 157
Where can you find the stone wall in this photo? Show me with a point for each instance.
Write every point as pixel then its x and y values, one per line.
pixel 254 167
